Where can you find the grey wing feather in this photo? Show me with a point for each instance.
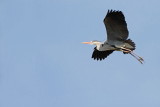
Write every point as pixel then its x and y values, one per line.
pixel 116 26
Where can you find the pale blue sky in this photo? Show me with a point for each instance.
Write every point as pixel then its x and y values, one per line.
pixel 44 64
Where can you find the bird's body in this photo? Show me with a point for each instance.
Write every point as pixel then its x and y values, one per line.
pixel 117 37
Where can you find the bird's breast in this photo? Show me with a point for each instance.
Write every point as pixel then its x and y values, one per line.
pixel 104 47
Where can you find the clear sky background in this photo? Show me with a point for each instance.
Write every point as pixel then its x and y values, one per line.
pixel 44 64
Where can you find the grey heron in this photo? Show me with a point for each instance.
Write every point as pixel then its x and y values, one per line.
pixel 117 38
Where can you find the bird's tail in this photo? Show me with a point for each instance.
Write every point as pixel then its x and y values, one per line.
pixel 130 42
pixel 132 45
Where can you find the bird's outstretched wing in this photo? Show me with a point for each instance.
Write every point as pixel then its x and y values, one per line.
pixel 99 55
pixel 116 26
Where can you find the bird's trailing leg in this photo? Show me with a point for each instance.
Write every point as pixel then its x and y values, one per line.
pixel 140 59
pixel 137 56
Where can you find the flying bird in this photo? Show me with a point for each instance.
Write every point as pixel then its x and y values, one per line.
pixel 117 38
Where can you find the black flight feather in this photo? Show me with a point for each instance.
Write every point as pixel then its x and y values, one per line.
pixel 99 55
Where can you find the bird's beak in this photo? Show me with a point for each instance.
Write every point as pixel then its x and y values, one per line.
pixel 86 42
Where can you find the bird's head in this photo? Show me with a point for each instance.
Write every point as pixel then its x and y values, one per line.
pixel 94 42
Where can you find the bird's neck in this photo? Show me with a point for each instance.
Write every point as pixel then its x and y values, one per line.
pixel 104 47
pixel 99 46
